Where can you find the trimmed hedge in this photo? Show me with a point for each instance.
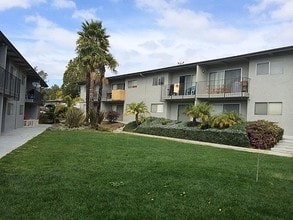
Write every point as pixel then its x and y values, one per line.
pixel 229 137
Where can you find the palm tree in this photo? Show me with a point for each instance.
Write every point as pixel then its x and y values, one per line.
pixel 93 53
pixel 136 109
pixel 200 111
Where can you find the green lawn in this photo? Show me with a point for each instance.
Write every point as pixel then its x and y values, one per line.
pixel 95 175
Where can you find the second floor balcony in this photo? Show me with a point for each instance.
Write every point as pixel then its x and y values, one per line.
pixel 223 88
pixel 34 96
pixel 177 91
pixel 117 95
pixel 9 84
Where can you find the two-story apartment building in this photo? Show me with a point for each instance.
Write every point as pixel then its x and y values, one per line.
pixel 256 85
pixel 20 85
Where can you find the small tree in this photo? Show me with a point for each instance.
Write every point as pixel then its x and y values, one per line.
pixel 200 111
pixel 225 120
pixel 137 109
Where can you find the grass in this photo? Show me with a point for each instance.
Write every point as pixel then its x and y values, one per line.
pixel 96 175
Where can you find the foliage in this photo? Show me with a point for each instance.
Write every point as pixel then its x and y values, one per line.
pixel 52 93
pixel 131 126
pixel 74 117
pixel 96 118
pixel 60 112
pixel 71 101
pixel 137 109
pixel 112 116
pixel 72 76
pixel 201 111
pixel 48 115
pixel 264 134
pixel 169 128
pixel 94 56
pixel 225 120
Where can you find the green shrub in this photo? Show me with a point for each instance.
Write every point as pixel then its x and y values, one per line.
pixel 74 117
pixel 112 116
pixel 158 126
pixel 131 126
pixel 229 137
pixel 264 134
pixel 60 112
pixel 225 120
pixel 43 118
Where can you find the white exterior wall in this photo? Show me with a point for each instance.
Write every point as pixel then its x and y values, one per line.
pixel 273 88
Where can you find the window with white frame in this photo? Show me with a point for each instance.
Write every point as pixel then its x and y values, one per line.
pixel 158 80
pixel 268 108
pixel 10 109
pixel 157 108
pixel 132 83
pixel 230 107
pixel 118 86
pixel 272 68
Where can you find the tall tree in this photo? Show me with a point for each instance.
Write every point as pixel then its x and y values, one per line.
pixel 93 53
pixel 72 76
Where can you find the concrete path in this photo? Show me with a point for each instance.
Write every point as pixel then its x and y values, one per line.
pixel 17 137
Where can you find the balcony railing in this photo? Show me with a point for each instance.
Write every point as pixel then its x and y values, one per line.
pixel 9 84
pixel 114 95
pixel 223 88
pixel 34 96
pixel 179 91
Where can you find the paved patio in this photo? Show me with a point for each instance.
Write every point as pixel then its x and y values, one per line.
pixel 17 137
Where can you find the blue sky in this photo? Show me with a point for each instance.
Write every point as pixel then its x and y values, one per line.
pixel 146 34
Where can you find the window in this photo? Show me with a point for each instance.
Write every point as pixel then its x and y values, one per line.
pixel 276 67
pixel 157 108
pixel 268 108
pixel 119 86
pixel 273 68
pixel 225 81
pixel 262 68
pixel 132 83
pixel 10 109
pixel 231 108
pixel 21 108
pixel 220 108
pixel 158 80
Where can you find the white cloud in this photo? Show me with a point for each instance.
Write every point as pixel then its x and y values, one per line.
pixel 272 9
pixel 85 14
pixel 182 34
pixel 49 47
pixel 64 4
pixel 4 5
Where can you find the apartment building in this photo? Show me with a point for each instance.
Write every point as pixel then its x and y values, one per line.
pixel 256 85
pixel 20 86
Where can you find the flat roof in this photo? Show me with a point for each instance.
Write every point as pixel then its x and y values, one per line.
pixel 193 65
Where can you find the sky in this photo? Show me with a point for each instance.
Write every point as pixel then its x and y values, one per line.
pixel 145 34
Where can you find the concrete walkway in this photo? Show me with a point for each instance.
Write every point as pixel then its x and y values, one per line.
pixel 17 137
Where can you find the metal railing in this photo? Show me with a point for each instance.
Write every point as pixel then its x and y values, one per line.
pixel 9 84
pixel 179 91
pixel 113 95
pixel 34 96
pixel 235 87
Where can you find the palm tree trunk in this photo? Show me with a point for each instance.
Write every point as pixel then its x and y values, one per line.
pixel 101 81
pixel 87 96
pixel 92 91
